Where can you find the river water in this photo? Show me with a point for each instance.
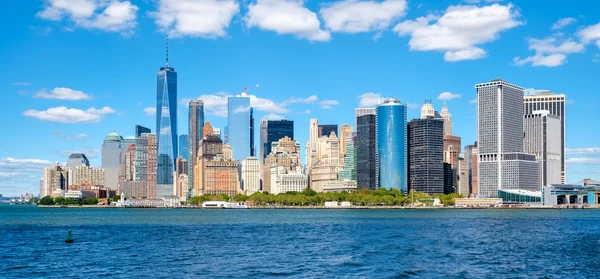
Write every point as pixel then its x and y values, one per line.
pixel 293 243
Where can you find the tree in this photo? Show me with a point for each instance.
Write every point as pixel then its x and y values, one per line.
pixel 47 200
pixel 59 201
pixel 309 192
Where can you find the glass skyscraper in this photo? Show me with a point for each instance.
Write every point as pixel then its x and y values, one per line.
pixel 391 144
pixel 184 147
pixel 276 130
pixel 240 126
pixel 166 129
pixel 366 152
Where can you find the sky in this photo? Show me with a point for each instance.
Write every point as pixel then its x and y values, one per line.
pixel 76 70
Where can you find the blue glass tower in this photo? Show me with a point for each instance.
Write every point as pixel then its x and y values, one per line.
pixel 240 126
pixel 391 144
pixel 184 147
pixel 166 128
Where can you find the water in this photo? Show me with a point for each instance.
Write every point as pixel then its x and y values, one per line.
pixel 183 243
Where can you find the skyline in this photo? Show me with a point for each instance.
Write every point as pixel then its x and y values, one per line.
pixel 105 81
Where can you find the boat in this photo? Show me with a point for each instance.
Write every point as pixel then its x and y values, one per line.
pixel 224 205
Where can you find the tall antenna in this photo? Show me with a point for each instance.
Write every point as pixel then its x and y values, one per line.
pixel 167 50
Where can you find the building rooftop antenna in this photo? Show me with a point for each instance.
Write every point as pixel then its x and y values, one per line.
pixel 167 38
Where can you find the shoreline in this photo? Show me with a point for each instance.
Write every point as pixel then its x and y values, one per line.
pixel 326 208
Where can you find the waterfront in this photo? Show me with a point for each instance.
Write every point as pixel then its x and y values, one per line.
pixel 258 243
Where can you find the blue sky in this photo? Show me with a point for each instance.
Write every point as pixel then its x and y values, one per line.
pixel 75 70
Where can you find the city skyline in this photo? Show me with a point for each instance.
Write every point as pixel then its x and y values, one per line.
pixel 76 107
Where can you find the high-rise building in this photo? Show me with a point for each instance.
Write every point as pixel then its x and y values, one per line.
pixel 56 180
pixel 502 163
pixel 543 139
pixel 326 129
pixel 196 132
pixel 226 134
pixel 180 187
pixel 227 152
pixel 276 130
pixel 112 149
pixel 130 163
pixel 166 128
pixel 425 155
pixel 327 164
pixel 215 174
pixel 239 126
pixel 447 120
pixel 312 142
pixel 251 175
pixel 475 171
pixel 463 176
pixel 139 130
pixel 554 103
pixel 145 168
pixel 184 150
pixel 345 131
pixel 348 173
pixel 263 140
pixel 76 160
pixel 452 149
pixel 217 132
pixel 284 153
pixel 366 149
pixel 207 130
pixel 427 110
pixel 471 161
pixel 448 179
pixel 86 175
pixel 391 144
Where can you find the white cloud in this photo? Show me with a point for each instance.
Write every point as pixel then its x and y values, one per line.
pixel 12 163
pixel 549 52
pixel 90 153
pixel 195 18
pixel 149 111
pixel 460 30
pixel 308 111
pixel 563 22
pixel 266 105
pixel 307 100
pixel 286 17
pixel 590 34
pixel 216 104
pixel 21 83
pixel 110 16
pixel 273 116
pixel 583 161
pixel 474 101
pixel 447 96
pixel 69 115
pixel 370 100
pixel 413 106
pixel 596 58
pixel 18 176
pixel 354 16
pixel 62 93
pixel 327 104
pixel 584 151
pixel 480 1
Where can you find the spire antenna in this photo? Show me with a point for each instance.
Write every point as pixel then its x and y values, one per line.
pixel 167 50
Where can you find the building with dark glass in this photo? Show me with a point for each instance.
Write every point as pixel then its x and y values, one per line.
pixel 139 130
pixel 166 129
pixel 326 129
pixel 366 153
pixel 391 145
pixel 276 130
pixel 448 179
pixel 426 155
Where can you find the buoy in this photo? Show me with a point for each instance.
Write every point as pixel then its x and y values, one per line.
pixel 69 239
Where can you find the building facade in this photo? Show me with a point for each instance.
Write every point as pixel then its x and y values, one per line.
pixel 86 175
pixel 452 149
pixel 326 129
pixel 285 153
pixel 111 159
pixel 250 175
pixel 391 145
pixel 146 163
pixel 345 132
pixel 240 126
pixel 263 140
pixel 426 155
pixel 366 151
pixel 348 173
pixel 463 176
pixel 276 130
pixel 327 164
pixel 554 103
pixel 184 143
pixel 543 139
pixel 139 130
pixel 76 160
pixel 447 120
pixel 502 163
pixel 196 127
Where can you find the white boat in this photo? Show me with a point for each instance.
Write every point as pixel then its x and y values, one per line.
pixel 223 204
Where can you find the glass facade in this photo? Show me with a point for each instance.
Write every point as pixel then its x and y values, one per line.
pixel 365 147
pixel 391 145
pixel 166 128
pixel 326 129
pixel 139 130
pixel 518 197
pixel 239 128
pixel 448 179
pixel 426 155
pixel 195 130
pixel 349 171
pixel 184 142
pixel 276 130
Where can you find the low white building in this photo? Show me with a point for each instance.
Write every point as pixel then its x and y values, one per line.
pixel 339 186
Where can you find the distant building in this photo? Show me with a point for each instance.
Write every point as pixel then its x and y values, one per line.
pixel 130 163
pixel 76 160
pixel 448 179
pixel 166 128
pixel 327 165
pixel 340 186
pixel 250 175
pixel 196 132
pixel 427 110
pixel 276 130
pixel 365 148
pixel 184 150
pixel 452 148
pixel 447 120
pixel 554 103
pixel 146 163
pixel 311 147
pixel 425 155
pixel 326 129
pixel 86 175
pixel 139 130
pixel 285 153
pixel 348 172
pixel 463 176
pixel 240 126
pixel 284 180
pixel 475 171
pixel 57 180
pixel 112 149
pixel 263 140
pixel 215 174
pixel 345 131
pixel 391 145
pixel 543 139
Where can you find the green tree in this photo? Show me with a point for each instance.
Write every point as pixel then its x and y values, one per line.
pixel 59 201
pixel 47 200
pixel 309 192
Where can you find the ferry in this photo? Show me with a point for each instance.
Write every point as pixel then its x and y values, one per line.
pixel 224 205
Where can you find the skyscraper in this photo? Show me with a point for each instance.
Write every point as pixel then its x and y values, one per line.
pixel 427 110
pixel 166 127
pixel 349 171
pixel 276 130
pixel 145 168
pixel 391 144
pixel 111 159
pixel 184 142
pixel 139 130
pixel 555 104
pixel 312 142
pixel 502 163
pixel 326 129
pixel 327 164
pixel 452 148
pixel 345 131
pixel 366 150
pixel 447 120
pixel 130 163
pixel 543 139
pixel 263 140
pixel 251 175
pixel 239 128
pixel 76 160
pixel 426 155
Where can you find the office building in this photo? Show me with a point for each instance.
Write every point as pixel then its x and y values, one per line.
pixel 543 139
pixel 447 120
pixel 86 175
pixel 276 130
pixel 425 155
pixel 463 176
pixel 240 127
pixel 427 110
pixel 284 153
pixel 312 142
pixel 391 144
pixel 326 129
pixel 263 140
pixel 184 150
pixel 502 163
pixel 475 171
pixel 287 180
pixel 214 173
pixel 112 149
pixel 76 160
pixel 180 179
pixel 348 173
pixel 196 133
pixel 452 149
pixel 327 164
pixel 250 175
pixel 139 130
pixel 535 100
pixel 55 180
pixel 166 128
pixel 345 131
pixel 470 156
pixel 130 163
pixel 366 151
pixel 448 179
pixel 146 164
